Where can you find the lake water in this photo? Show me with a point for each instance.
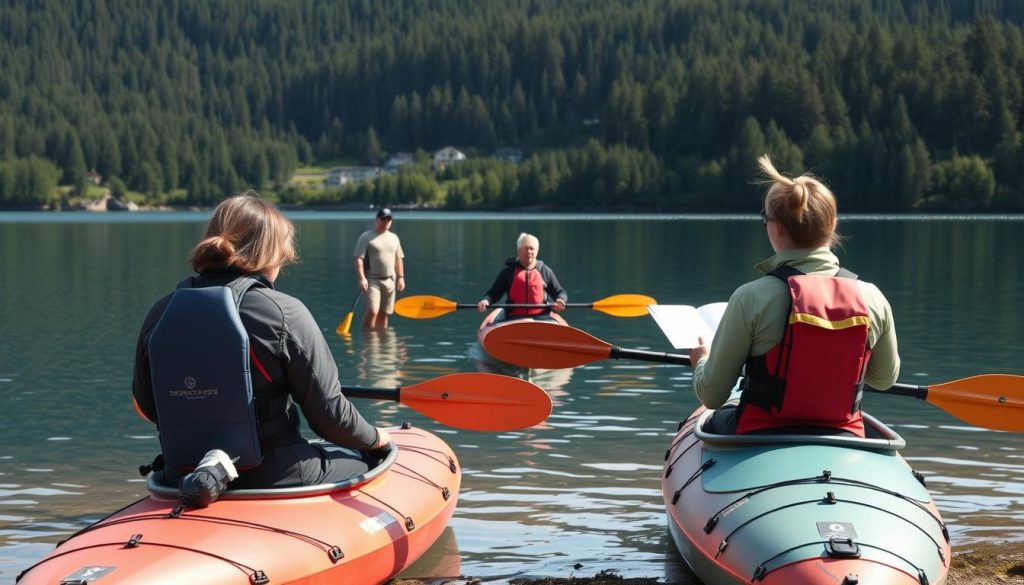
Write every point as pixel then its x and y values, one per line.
pixel 583 488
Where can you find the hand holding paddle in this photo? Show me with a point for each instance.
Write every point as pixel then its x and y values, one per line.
pixel 473 402
pixel 992 401
pixel 429 306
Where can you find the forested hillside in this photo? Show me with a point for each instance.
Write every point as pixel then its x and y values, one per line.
pixel 640 104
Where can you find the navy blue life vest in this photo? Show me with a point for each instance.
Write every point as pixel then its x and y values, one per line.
pixel 199 362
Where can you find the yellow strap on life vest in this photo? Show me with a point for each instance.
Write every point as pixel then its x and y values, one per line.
pixel 809 319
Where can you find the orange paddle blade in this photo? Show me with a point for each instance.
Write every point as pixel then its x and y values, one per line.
pixel 534 344
pixel 424 306
pixel 626 305
pixel 345 325
pixel 479 402
pixel 991 401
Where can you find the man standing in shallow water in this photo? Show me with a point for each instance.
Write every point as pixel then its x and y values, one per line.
pixel 380 269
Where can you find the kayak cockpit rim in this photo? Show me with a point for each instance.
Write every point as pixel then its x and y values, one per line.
pixel 882 438
pixel 159 489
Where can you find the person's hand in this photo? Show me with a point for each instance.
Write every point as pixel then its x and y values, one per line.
pixel 400 283
pixel 700 352
pixel 383 439
pixel 364 285
pixel 482 305
pixel 560 305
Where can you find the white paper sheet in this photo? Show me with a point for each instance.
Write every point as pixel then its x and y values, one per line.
pixel 683 324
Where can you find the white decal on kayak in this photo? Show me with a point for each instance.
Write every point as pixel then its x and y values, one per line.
pixel 836 530
pixel 377 523
pixel 730 509
pixel 87 574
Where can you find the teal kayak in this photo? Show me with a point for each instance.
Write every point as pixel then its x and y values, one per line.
pixel 801 509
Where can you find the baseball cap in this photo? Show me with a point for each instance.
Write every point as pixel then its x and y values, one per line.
pixel 383 213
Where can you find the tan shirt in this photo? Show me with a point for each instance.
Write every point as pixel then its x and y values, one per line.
pixel 379 252
pixel 756 317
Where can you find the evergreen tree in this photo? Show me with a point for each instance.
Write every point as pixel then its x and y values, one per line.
pixel 374 153
pixel 216 96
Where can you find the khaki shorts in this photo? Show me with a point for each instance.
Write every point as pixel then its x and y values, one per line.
pixel 380 295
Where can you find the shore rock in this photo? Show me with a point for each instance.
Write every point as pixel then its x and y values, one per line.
pixel 110 203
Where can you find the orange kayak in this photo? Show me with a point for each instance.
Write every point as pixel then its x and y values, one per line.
pixel 362 531
pixel 494 321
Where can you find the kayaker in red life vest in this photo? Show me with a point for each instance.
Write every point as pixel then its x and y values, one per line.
pixel 289 364
pixel 526 280
pixel 808 334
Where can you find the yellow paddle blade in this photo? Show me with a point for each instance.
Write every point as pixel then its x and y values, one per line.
pixel 424 306
pixel 345 325
pixel 626 305
pixel 991 401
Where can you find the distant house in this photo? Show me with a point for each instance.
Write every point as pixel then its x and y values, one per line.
pixel 512 155
pixel 339 176
pixel 94 178
pixel 447 155
pixel 398 160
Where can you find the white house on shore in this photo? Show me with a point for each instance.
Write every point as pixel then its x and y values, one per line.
pixel 448 155
pixel 398 160
pixel 339 176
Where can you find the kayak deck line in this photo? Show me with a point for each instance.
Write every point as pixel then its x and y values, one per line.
pixel 826 477
pixel 358 531
pixel 779 509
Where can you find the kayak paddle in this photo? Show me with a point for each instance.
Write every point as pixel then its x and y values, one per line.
pixel 989 401
pixel 429 306
pixel 472 402
pixel 535 344
pixel 346 323
pixel 992 401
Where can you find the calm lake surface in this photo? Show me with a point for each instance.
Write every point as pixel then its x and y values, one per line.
pixel 584 488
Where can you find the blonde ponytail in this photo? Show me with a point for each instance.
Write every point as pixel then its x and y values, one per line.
pixel 804 206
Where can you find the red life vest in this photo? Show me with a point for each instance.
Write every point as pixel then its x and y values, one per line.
pixel 814 376
pixel 527 288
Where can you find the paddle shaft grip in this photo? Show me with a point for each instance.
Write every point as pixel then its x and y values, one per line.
pixel 515 306
pixel 527 306
pixel 919 392
pixel 393 394
pixel 649 356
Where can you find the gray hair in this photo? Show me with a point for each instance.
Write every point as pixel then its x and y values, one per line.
pixel 525 238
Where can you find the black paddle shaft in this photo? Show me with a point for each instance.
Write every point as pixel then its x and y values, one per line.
pixel 899 389
pixel 919 392
pixel 649 356
pixel 393 394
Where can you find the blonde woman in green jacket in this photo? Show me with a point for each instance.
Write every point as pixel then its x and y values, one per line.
pixel 799 215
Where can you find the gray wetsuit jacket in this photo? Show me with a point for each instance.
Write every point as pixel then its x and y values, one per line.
pixel 291 351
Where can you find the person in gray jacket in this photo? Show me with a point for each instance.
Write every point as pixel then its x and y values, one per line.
pixel 291 365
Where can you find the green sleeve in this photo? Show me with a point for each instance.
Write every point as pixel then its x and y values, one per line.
pixel 884 366
pixel 714 377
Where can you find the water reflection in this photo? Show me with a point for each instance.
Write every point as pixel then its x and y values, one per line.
pixel 583 488
pixel 382 357
pixel 553 381
pixel 442 561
